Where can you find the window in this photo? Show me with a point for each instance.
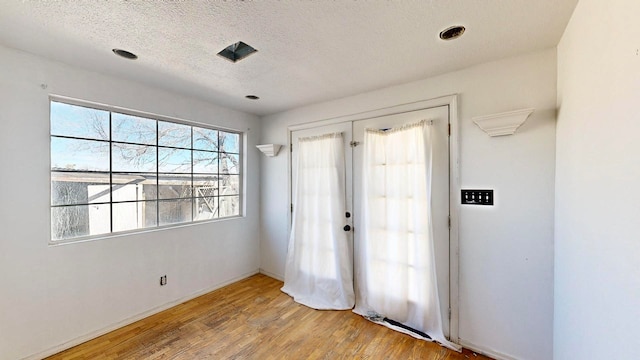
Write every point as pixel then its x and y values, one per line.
pixel 114 172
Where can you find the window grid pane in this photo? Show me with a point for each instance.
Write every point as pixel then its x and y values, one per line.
pixel 113 172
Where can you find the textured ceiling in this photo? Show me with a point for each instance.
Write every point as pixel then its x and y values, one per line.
pixel 308 51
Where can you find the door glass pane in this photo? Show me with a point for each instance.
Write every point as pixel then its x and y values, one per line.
pixel 73 221
pixel 133 158
pixel 229 142
pixel 205 139
pixel 134 187
pixel 174 211
pixel 134 215
pixel 69 188
pixel 174 135
pixel 174 160
pixel 133 129
pixel 73 154
pixel 229 206
pixel 78 121
pixel 174 186
pixel 205 162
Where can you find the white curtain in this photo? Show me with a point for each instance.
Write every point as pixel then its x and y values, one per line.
pixel 318 272
pixel 396 271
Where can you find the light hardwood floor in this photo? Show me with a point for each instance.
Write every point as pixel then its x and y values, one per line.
pixel 253 319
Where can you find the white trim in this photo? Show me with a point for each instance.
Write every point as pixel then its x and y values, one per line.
pixel 87 238
pixel 271 275
pixel 454 182
pixel 139 113
pixel 454 212
pixel 396 109
pixel 289 189
pixel 485 351
pixel 130 320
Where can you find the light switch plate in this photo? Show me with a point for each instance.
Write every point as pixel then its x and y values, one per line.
pixel 477 197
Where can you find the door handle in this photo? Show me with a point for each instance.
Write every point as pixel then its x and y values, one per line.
pixel 347 228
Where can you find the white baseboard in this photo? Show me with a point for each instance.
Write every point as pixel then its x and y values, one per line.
pixel 271 275
pixel 485 351
pixel 79 340
pixel 130 320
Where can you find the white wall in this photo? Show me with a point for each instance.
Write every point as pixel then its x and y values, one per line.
pixel 506 251
pixel 597 242
pixel 54 294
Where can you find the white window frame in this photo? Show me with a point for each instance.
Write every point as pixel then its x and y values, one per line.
pixel 194 197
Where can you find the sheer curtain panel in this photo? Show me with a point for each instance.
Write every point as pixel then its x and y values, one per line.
pixel 395 261
pixel 318 270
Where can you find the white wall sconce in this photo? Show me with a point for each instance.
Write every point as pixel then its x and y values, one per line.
pixel 269 149
pixel 504 123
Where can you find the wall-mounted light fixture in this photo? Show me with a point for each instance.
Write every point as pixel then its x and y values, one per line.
pixel 504 123
pixel 269 149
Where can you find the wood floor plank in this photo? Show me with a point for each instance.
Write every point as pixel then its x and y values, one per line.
pixel 253 319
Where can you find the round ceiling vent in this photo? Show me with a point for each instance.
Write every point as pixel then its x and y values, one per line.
pixel 452 32
pixel 125 54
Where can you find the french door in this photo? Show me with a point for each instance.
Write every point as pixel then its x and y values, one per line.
pixel 319 267
pixel 353 137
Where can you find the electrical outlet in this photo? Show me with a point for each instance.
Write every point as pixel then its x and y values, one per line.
pixel 163 280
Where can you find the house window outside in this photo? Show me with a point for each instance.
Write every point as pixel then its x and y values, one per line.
pixel 115 172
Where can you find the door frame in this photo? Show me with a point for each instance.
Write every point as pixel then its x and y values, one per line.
pixel 454 182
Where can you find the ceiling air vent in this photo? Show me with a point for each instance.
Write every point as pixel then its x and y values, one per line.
pixel 236 52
